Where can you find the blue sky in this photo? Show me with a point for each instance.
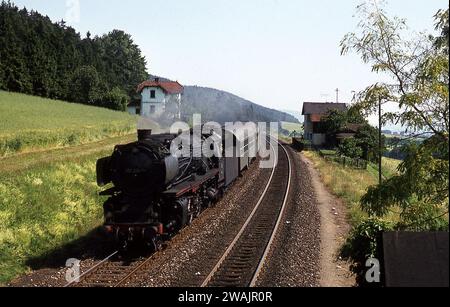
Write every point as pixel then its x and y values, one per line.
pixel 277 53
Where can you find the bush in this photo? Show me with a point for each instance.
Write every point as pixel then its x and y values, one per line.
pixel 116 99
pixel 363 243
pixel 85 83
pixel 300 144
pixel 350 148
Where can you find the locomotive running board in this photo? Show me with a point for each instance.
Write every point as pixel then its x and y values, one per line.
pixel 191 186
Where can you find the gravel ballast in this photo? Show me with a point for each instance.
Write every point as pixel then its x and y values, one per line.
pixel 295 255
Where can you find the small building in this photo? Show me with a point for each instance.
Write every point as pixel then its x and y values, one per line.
pixel 159 96
pixel 314 113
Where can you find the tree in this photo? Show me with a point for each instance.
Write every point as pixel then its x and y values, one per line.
pixel 420 71
pixel 334 121
pixel 350 148
pixel 48 59
pixel 367 138
pixel 419 68
pixel 123 64
pixel 85 85
pixel 116 99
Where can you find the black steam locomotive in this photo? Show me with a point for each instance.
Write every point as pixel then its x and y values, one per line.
pixel 155 194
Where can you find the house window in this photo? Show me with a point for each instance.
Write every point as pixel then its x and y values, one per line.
pixel 153 94
pixel 152 109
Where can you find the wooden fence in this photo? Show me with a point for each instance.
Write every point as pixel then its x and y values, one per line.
pixel 345 161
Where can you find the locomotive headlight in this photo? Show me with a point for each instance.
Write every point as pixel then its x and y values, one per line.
pixel 103 172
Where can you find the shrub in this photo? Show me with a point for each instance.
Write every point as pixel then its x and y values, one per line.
pixel 350 148
pixel 116 99
pixel 363 243
pixel 301 144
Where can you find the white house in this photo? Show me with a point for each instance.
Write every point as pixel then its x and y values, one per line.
pixel 157 97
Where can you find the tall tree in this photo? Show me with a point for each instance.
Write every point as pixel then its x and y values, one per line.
pixel 43 58
pixel 122 62
pixel 419 67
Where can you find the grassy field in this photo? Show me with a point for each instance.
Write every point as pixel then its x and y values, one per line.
pixel 48 199
pixel 48 191
pixel 351 184
pixel 291 127
pixel 45 207
pixel 29 123
pixel 388 167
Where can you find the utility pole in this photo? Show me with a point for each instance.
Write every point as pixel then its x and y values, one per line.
pixel 380 149
pixel 337 95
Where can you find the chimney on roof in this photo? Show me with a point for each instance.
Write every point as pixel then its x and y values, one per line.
pixel 156 79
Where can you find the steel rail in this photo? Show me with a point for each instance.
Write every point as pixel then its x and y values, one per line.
pixel 274 232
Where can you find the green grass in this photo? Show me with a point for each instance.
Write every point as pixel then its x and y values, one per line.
pixel 291 127
pixel 350 184
pixel 326 152
pixel 44 208
pixel 48 191
pixel 40 158
pixel 47 200
pixel 29 123
pixel 389 168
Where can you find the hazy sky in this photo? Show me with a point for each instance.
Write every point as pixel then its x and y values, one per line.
pixel 277 53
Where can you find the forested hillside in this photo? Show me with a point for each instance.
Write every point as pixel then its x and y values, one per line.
pixel 220 106
pixel 47 59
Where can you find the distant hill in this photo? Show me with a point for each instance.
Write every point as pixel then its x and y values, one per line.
pixel 220 106
pixel 296 114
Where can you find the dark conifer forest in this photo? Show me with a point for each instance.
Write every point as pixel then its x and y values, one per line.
pixel 48 59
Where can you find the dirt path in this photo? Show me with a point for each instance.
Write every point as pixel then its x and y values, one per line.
pixel 334 229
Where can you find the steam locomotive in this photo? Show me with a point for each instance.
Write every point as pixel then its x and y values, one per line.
pixel 154 194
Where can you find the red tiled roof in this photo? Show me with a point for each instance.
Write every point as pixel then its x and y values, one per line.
pixel 167 86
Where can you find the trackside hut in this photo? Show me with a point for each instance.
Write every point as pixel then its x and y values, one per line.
pixel 314 113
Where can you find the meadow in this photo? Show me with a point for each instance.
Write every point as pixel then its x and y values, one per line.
pixel 48 191
pixel 45 207
pixel 291 127
pixel 29 123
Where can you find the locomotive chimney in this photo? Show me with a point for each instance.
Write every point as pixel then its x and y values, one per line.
pixel 144 134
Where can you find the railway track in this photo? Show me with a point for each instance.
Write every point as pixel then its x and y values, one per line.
pixel 241 263
pixel 112 272
pixel 244 259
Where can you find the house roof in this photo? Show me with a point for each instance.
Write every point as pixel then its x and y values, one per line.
pixel 321 108
pixel 345 135
pixel 351 128
pixel 170 87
